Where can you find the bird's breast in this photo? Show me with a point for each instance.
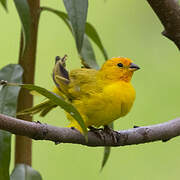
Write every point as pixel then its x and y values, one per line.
pixel 120 97
pixel 114 101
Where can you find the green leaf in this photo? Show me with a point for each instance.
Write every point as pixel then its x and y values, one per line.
pixel 25 172
pixel 68 107
pixel 77 13
pixel 107 151
pixel 8 95
pixel 92 33
pixel 87 54
pixel 8 103
pixel 4 4
pixel 25 17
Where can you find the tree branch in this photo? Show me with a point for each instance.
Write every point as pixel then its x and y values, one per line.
pixel 139 135
pixel 168 12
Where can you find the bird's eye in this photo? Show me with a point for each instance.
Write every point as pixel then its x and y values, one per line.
pixel 120 64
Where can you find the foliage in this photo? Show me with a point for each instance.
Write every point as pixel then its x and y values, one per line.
pixel 82 32
pixel 56 100
pixel 25 17
pixel 8 103
pixel 4 4
pixel 25 172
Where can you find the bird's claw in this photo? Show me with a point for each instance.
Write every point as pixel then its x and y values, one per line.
pixel 94 129
pixel 37 122
pixel 97 131
pixel 111 132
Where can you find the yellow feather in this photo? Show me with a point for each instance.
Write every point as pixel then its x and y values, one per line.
pixel 100 96
pixel 35 93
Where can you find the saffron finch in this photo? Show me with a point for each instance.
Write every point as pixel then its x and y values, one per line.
pixel 101 96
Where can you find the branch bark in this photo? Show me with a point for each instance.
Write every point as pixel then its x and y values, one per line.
pixel 35 130
pixel 168 11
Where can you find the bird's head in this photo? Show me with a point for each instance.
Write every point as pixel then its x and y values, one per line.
pixel 119 68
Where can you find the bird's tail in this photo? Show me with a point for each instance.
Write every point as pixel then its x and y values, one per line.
pixel 61 76
pixel 61 79
pixel 42 108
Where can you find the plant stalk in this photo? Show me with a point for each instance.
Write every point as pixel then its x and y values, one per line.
pixel 23 145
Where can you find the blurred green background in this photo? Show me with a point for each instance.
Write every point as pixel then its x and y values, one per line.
pixel 127 28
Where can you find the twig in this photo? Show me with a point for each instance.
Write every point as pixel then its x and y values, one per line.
pixel 139 135
pixel 168 12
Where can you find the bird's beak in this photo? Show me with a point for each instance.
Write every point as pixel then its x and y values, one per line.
pixel 134 67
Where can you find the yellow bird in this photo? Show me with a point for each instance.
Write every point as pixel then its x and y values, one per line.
pixel 101 96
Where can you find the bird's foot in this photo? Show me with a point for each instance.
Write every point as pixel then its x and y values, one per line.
pixel 91 128
pixel 37 122
pixel 97 131
pixel 100 132
pixel 111 132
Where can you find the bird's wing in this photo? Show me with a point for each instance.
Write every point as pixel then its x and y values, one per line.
pixel 83 82
pixel 77 83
